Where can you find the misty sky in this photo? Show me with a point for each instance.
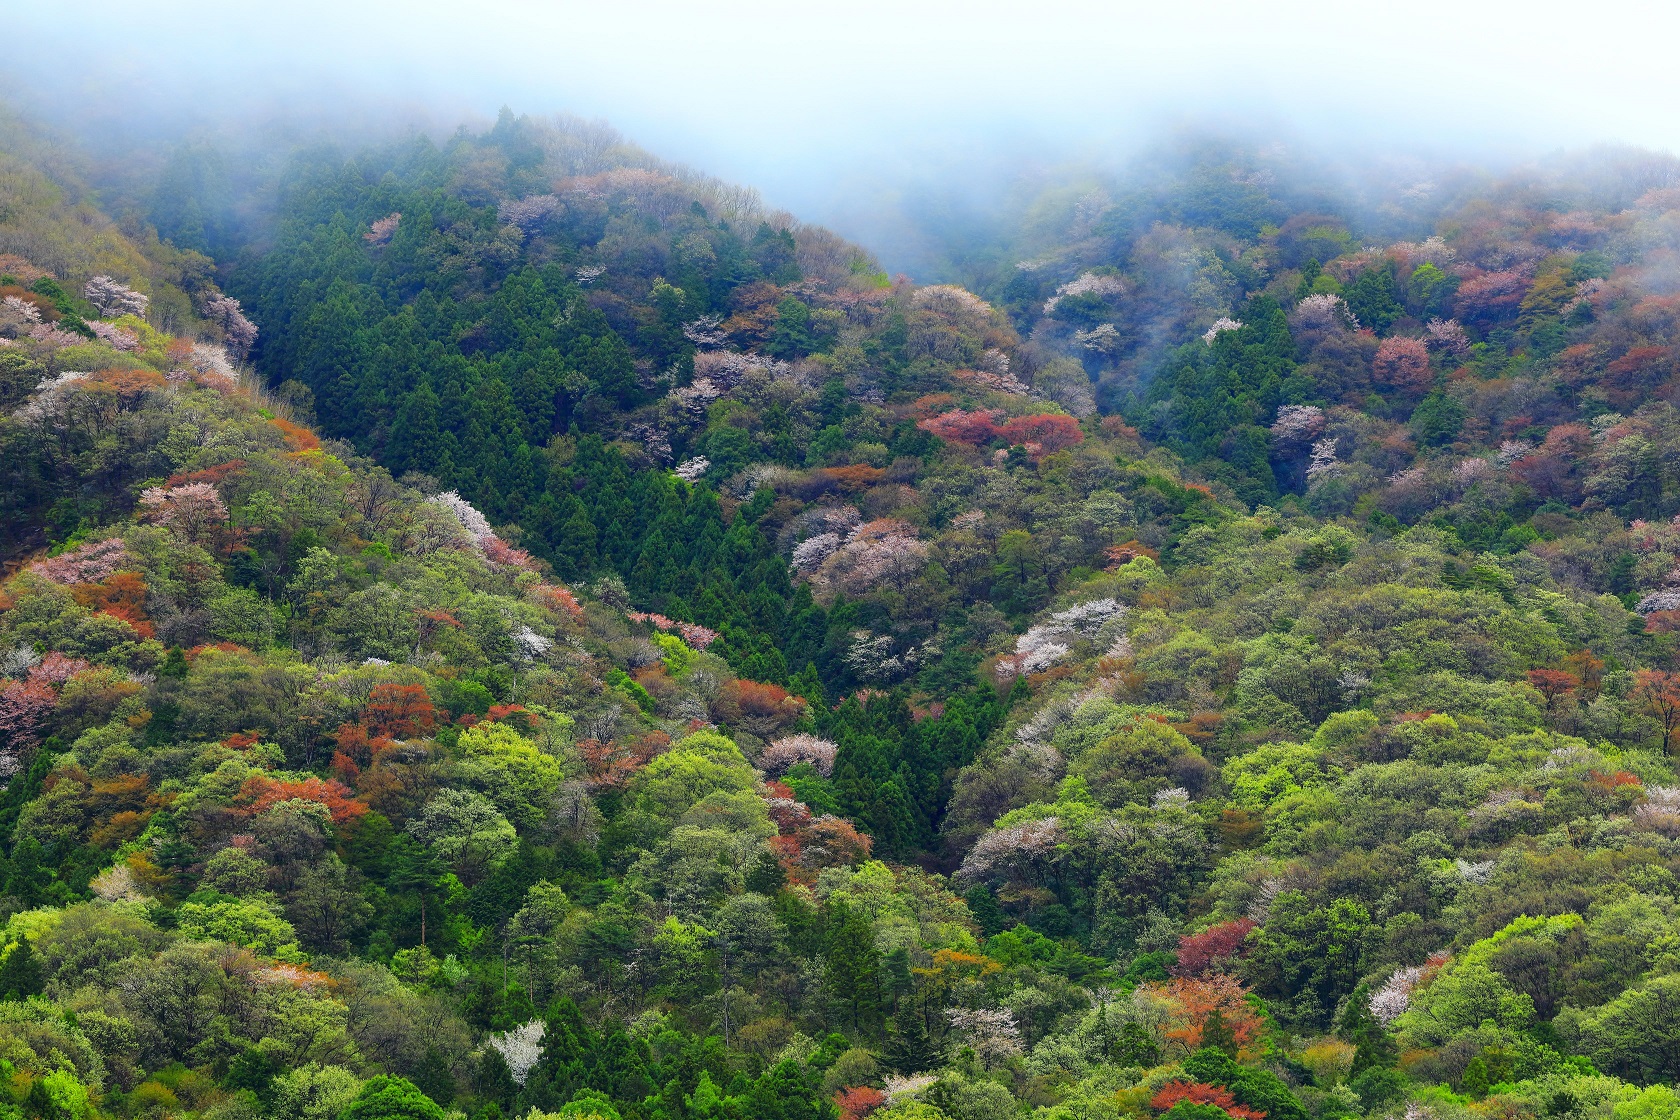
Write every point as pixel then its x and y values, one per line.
pixel 835 109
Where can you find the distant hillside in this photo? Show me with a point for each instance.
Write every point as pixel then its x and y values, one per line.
pixel 575 645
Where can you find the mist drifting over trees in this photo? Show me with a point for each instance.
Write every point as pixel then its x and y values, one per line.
pixel 864 593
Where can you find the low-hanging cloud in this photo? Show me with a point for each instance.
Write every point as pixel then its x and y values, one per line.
pixel 871 114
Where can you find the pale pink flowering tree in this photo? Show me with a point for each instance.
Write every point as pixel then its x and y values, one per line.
pixel 1660 811
pixel 238 332
pixel 1321 314
pixel 56 668
pixel 706 331
pixel 1448 335
pixel 1298 423
pixel 1510 451
pixel 191 509
pixel 690 470
pixel 778 756
pixel 698 395
pixel 114 299
pixel 697 636
pixel 1324 461
pixel 873 553
pixel 1220 326
pixel 381 232
pixel 1102 285
pixel 117 338
pixel 1022 851
pixel 465 514
pixel 22 309
pixel 809 553
pixel 91 563
pixel 23 705
pixel 1492 293
pixel 991 1032
pixel 1390 1001
pixel 529 213
pixel 1046 643
pixel 54 336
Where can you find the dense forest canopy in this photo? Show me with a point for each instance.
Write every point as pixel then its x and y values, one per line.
pixel 506 626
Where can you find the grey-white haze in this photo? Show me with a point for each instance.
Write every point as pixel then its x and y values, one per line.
pixel 855 114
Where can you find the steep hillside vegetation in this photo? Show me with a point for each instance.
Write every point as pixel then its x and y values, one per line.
pixel 617 655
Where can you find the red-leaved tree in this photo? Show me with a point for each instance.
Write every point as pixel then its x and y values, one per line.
pixel 1213 949
pixel 1198 1093
pixel 1656 692
pixel 957 426
pixel 1052 432
pixel 1403 364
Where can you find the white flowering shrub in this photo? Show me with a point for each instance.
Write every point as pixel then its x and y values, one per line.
pixel 1220 326
pixel 690 470
pixel 520 1048
pixel 465 513
pixel 1391 1001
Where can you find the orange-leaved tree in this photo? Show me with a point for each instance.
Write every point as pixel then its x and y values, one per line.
pixel 1656 692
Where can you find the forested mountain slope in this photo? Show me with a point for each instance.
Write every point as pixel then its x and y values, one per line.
pixel 613 653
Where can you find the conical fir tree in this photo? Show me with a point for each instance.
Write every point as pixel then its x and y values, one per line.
pixel 908 1049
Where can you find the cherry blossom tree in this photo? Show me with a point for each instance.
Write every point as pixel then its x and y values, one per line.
pixel 465 513
pixel 1298 423
pixel 1660 811
pixel 995 376
pixel 697 395
pixel 520 1048
pixel 114 299
pixel 1322 314
pixel 530 212
pixel 781 754
pixel 238 332
pixel 1492 294
pixel 690 470
pixel 809 553
pixel 706 331
pixel 56 668
pixel 873 553
pixel 1449 336
pixel 50 334
pixel 1021 851
pixel 1103 285
pixel 23 310
pixel 381 232
pixel 1391 1001
pixel 89 563
pixel 1220 326
pixel 117 338
pixel 24 707
pixel 192 509
pixel 990 1032
pixel 1045 643
pixel 1324 462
